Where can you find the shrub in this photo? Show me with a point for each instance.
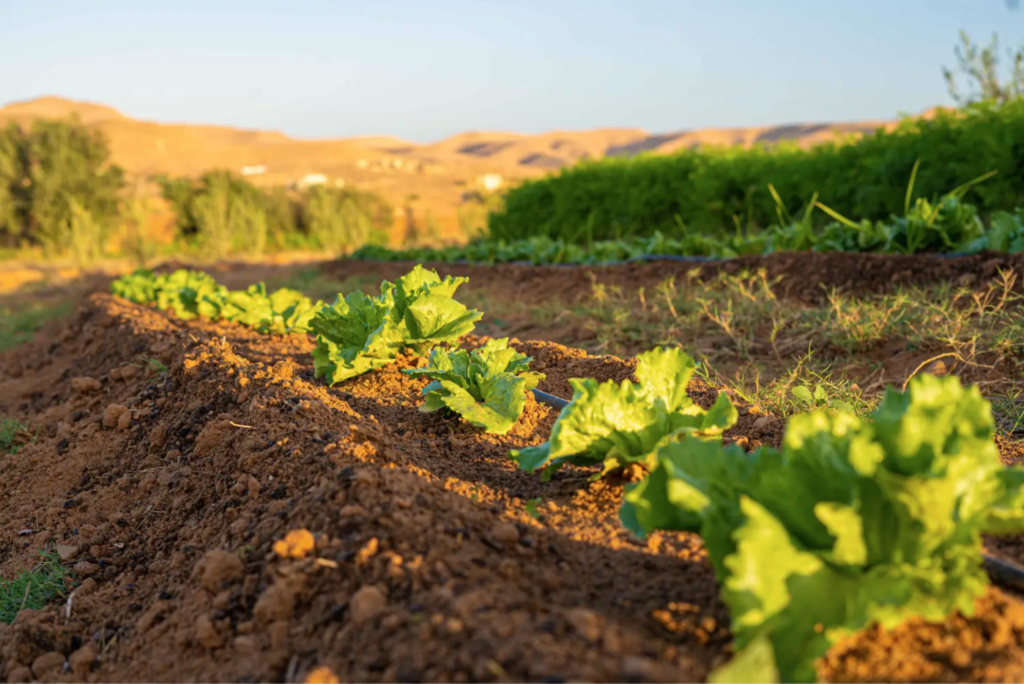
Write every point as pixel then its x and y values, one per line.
pixel 722 191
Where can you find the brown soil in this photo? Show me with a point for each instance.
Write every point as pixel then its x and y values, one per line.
pixel 806 276
pixel 426 563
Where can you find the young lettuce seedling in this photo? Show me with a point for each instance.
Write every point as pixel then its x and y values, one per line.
pixel 854 522
pixel 486 386
pixel 282 312
pixel 188 294
pixel 617 425
pixel 359 333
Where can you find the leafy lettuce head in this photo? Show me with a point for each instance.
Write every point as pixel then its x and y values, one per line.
pixel 616 425
pixel 486 386
pixel 853 522
pixel 360 333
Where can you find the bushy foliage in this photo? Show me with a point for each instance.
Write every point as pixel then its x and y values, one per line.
pixel 58 189
pixel 721 191
pixel 222 213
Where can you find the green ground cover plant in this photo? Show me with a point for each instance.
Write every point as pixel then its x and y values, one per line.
pixel 33 589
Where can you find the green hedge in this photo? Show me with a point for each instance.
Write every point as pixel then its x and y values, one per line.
pixel 716 190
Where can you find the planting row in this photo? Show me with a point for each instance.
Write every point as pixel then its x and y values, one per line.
pixel 853 522
pixel 946 225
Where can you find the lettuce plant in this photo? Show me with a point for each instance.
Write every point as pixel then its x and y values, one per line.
pixel 416 313
pixel 617 425
pixel 282 312
pixel 486 386
pixel 138 286
pixel 856 521
pixel 188 294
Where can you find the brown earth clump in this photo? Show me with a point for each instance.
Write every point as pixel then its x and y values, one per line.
pixel 238 520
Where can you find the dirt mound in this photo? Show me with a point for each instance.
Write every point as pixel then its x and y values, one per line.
pixel 807 276
pixel 432 556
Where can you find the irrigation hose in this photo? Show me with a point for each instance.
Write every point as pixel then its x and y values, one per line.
pixel 650 258
pixel 551 400
pixel 1004 573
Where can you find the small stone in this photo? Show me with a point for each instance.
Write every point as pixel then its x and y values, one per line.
pixel 112 413
pixel 277 602
pixel 48 664
pixel 764 422
pixel 245 644
pixel 937 367
pixel 129 372
pixel 219 567
pixel 81 661
pixel 206 634
pixel 18 675
pixel 505 533
pixel 85 385
pixel 87 587
pixel 321 675
pixel 85 568
pixel 115 373
pixel 635 668
pixel 586 622
pixel 296 544
pixel 366 604
pixel 278 632
pixel 66 552
pixel 124 420
pixel 368 551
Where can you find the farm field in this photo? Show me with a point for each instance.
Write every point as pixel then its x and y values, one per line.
pixel 169 467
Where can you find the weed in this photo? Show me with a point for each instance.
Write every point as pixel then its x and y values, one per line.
pixel 14 435
pixel 33 589
pixel 19 325
pixel 155 365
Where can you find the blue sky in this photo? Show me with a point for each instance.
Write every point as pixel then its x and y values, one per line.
pixel 426 69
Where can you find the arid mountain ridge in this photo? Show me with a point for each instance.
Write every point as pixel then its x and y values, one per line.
pixel 439 174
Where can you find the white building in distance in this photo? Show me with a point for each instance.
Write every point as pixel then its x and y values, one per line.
pixel 312 179
pixel 489 181
pixel 254 170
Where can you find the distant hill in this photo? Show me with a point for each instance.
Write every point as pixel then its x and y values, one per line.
pixel 438 173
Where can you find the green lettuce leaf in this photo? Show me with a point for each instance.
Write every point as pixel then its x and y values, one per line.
pixel 360 333
pixel 853 522
pixel 616 425
pixel 282 312
pixel 139 286
pixel 486 386
pixel 188 294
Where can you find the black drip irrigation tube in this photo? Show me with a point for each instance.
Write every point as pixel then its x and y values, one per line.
pixel 1005 573
pixel 551 400
pixel 648 258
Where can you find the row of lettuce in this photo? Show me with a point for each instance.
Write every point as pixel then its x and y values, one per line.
pixel 947 225
pixel 712 190
pixel 855 521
